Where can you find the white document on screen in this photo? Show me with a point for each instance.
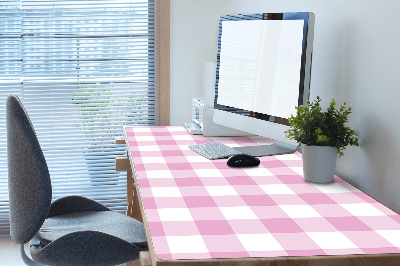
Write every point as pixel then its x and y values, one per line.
pixel 260 63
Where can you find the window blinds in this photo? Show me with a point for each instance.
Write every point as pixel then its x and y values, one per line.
pixel 83 69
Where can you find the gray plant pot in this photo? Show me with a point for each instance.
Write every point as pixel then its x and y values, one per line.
pixel 319 163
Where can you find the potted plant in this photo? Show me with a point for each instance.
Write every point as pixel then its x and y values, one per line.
pixel 323 135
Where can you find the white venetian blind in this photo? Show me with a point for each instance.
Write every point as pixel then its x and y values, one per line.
pixel 83 69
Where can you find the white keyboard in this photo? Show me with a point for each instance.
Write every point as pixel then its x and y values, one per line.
pixel 214 150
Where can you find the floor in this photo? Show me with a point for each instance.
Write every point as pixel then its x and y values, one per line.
pixel 9 253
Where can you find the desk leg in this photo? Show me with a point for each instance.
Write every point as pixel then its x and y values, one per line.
pixel 133 209
pixel 133 199
pixel 133 263
pixel 144 260
pixel 129 193
pixel 134 212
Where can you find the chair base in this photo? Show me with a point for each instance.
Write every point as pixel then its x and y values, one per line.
pixel 26 259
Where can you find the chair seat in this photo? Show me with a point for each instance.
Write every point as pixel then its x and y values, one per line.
pixel 108 222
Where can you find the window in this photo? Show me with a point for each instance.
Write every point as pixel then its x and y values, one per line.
pixel 83 70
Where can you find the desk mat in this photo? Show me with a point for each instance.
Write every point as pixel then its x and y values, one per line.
pixel 200 209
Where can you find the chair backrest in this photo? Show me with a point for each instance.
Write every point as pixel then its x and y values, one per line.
pixel 29 183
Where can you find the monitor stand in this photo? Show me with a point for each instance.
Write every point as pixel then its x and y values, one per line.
pixel 275 148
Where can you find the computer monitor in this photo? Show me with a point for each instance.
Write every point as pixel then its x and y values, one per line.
pixel 263 73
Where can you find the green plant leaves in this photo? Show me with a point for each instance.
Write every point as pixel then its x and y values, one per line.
pixel 312 126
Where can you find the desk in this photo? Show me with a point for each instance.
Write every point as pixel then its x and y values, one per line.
pixel 201 212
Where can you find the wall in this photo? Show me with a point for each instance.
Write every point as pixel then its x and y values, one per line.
pixel 355 60
pixel 194 41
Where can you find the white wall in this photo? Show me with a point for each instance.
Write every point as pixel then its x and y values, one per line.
pixel 356 59
pixel 194 41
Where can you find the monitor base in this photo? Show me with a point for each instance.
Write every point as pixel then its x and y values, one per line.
pixel 275 148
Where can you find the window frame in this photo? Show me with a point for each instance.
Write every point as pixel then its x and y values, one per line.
pixel 163 88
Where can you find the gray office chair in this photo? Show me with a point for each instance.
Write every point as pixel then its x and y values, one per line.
pixel 70 231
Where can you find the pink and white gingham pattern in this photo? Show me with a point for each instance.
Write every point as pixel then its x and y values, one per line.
pixel 198 209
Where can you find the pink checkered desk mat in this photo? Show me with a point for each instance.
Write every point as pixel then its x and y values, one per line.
pixel 200 209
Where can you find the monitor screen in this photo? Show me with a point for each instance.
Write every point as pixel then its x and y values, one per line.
pixel 260 63
pixel 263 71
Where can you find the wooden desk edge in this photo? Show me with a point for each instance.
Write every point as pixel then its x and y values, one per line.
pixel 146 227
pixel 324 260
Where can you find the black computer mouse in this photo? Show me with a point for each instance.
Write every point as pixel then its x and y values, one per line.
pixel 241 160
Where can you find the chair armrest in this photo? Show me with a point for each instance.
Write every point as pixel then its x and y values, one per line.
pixel 72 204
